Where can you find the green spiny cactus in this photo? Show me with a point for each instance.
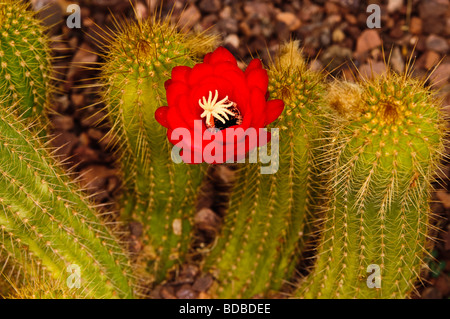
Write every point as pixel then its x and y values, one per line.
pixel 158 193
pixel 25 60
pixel 47 224
pixel 384 150
pixel 266 224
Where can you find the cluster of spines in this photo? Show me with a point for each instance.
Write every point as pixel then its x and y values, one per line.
pixel 157 192
pixel 384 150
pixel 25 59
pixel 266 224
pixel 48 224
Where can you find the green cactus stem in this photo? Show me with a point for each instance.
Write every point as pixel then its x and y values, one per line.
pixel 47 224
pixel 385 147
pixel 158 193
pixel 25 59
pixel 266 224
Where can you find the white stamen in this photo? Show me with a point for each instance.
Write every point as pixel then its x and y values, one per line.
pixel 212 108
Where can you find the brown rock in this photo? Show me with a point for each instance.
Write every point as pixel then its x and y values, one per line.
pixel 447 240
pixel 89 120
pixel 61 103
pixel 351 19
pixel 85 154
pixel 206 220
pixel 245 28
pixel 444 197
pixel 141 11
pixel 316 66
pixel 228 26
pixel 59 47
pixel 225 13
pixel 208 21
pixel 187 274
pixel 307 13
pixel 394 5
pixel 441 75
pixel 282 31
pixel 152 4
pixel 335 56
pixel 443 284
pixel 82 58
pixel 186 292
pixel 77 99
pixel 396 32
pixel 431 293
pixel 65 142
pixel 259 10
pixel 84 139
pixel 50 13
pixel 210 6
pixel 189 17
pixel 95 134
pixel 420 43
pixel 290 19
pixel 432 13
pixel 331 8
pixel 437 43
pixel 95 176
pixel 106 141
pixel 370 70
pixel 348 74
pixel 232 40
pixel 338 35
pixel 136 229
pixel 416 26
pixel 167 293
pixel 134 244
pixel 431 59
pixel 396 60
pixel 112 184
pixel 203 295
pixel 63 123
pixel 368 40
pixel 203 283
pixel 155 293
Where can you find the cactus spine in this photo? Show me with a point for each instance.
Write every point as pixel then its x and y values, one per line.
pixel 264 228
pixel 384 150
pixel 47 225
pixel 158 193
pixel 25 60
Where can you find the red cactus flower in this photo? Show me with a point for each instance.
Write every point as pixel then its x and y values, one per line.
pixel 213 106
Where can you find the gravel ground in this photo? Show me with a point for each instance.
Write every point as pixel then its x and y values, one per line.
pixel 333 33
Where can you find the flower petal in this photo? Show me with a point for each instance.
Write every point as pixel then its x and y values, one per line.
pixel 274 109
pixel 221 55
pixel 174 119
pixel 161 116
pixel 199 72
pixel 207 57
pixel 254 64
pixel 180 73
pixel 174 91
pixel 222 67
pixel 258 78
pixel 258 106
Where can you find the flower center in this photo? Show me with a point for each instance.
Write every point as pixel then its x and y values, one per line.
pixel 219 114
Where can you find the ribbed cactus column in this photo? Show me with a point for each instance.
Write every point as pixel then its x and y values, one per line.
pixel 262 237
pixel 48 225
pixel 24 58
pixel 158 193
pixel 383 152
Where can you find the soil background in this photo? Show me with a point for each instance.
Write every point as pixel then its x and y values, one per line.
pixel 334 36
